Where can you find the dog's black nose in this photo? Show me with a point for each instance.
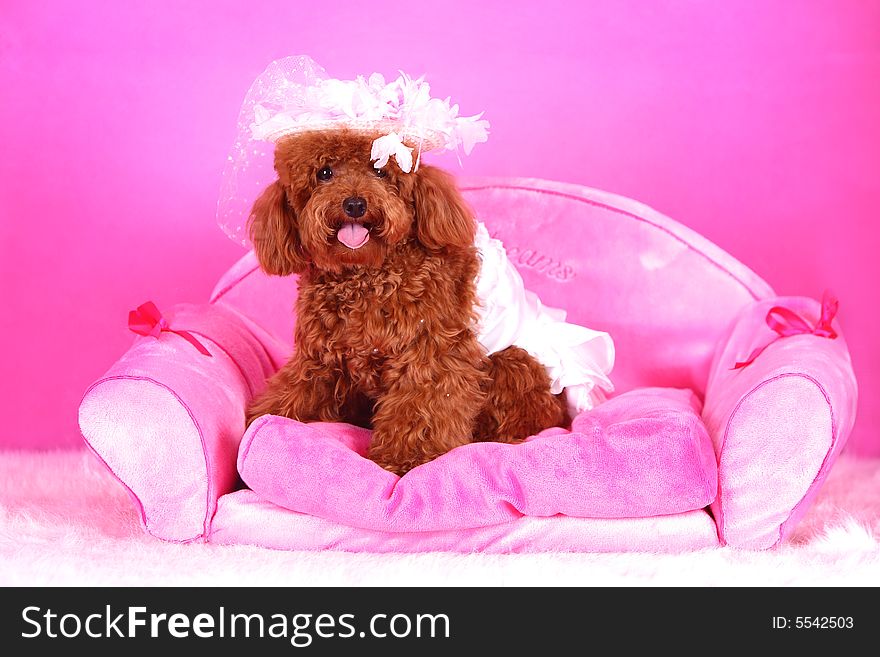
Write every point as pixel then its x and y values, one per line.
pixel 354 206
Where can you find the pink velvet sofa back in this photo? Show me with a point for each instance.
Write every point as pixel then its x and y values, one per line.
pixel 664 293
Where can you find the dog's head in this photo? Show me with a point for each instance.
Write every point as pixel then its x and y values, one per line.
pixel 331 208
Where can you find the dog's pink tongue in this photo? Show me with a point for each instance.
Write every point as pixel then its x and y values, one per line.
pixel 353 235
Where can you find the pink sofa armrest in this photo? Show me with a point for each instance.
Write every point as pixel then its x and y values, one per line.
pixel 167 419
pixel 778 424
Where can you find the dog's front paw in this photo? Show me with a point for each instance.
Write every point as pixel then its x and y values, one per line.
pixel 399 449
pixel 394 460
pixel 395 469
pixel 391 465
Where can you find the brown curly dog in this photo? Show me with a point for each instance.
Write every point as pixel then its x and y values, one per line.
pixel 385 332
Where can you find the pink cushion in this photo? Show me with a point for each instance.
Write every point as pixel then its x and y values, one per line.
pixel 778 424
pixel 243 518
pixel 643 453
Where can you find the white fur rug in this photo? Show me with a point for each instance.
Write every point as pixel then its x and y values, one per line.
pixel 64 521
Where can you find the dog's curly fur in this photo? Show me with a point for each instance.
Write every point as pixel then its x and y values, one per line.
pixel 385 333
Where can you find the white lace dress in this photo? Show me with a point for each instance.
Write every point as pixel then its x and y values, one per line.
pixel 577 359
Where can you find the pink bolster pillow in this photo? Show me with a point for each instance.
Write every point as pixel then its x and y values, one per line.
pixel 643 453
pixel 778 424
pixel 167 419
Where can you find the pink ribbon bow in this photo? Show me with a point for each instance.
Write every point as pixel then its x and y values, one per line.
pixel 148 321
pixel 787 323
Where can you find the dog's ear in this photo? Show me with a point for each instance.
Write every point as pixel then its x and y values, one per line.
pixel 442 217
pixel 274 233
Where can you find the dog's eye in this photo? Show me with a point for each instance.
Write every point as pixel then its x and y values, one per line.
pixel 325 173
pixel 381 173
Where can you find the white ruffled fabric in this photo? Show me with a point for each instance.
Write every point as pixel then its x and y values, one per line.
pixel 293 95
pixel 577 359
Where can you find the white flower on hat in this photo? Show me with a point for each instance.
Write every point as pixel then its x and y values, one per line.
pixel 385 147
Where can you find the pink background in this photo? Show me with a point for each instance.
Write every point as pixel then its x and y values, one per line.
pixel 755 123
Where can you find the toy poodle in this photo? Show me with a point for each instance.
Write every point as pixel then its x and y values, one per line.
pixel 386 315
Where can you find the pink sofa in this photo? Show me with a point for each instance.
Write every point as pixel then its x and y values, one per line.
pixel 168 421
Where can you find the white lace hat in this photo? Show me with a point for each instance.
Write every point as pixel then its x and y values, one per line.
pixel 295 95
